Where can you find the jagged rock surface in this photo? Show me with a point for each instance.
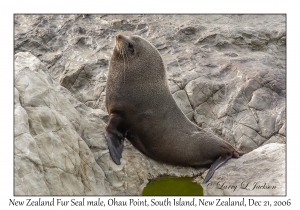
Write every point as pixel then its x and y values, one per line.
pixel 226 72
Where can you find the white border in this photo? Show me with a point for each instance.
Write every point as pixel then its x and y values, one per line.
pixel 153 6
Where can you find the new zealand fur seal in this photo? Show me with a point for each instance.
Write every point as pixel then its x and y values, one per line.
pixel 142 109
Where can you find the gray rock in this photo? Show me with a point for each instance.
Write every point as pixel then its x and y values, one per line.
pixel 260 172
pixel 51 158
pixel 183 103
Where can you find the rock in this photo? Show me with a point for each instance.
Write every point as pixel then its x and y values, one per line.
pixel 260 172
pixel 51 158
pixel 183 103
pixel 226 73
pixel 188 30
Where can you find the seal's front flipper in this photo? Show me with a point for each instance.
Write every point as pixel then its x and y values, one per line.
pixel 220 161
pixel 115 132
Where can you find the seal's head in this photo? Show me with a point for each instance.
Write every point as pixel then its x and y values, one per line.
pixel 133 47
pixel 134 55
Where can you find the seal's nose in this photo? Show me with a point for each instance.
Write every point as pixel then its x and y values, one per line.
pixel 118 37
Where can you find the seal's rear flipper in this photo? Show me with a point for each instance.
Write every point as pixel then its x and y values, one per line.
pixel 220 161
pixel 115 133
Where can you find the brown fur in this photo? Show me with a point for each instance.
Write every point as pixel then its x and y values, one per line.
pixel 138 92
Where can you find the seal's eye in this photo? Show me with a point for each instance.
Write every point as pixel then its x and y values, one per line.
pixel 130 48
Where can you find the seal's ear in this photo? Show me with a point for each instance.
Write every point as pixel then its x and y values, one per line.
pixel 115 132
